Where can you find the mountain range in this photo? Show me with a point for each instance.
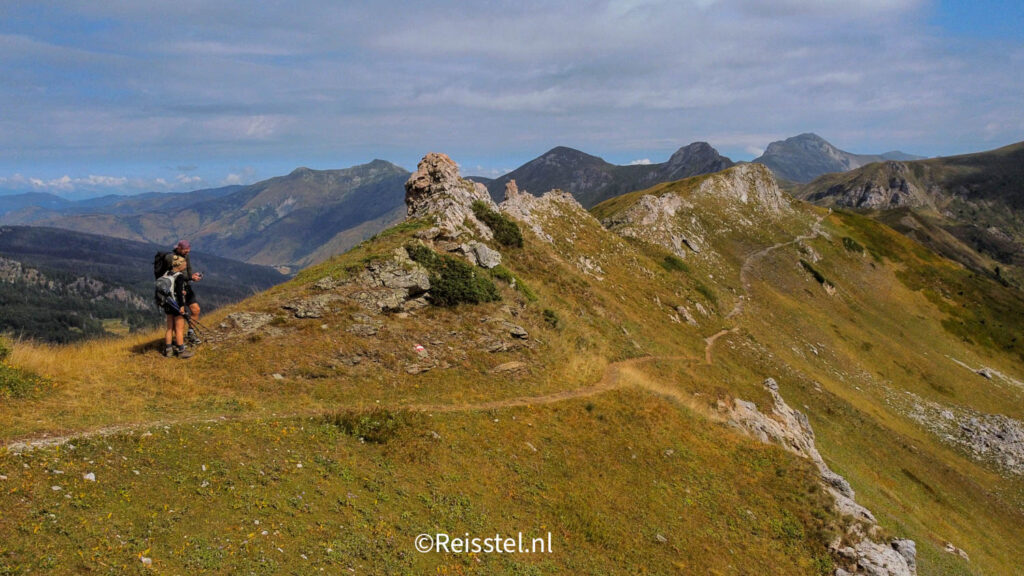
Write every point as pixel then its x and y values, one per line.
pixel 305 217
pixel 288 221
pixel 591 179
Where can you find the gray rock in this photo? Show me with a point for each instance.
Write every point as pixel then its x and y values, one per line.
pixel 247 322
pixel 908 550
pixel 364 330
pixel 485 256
pixel 326 283
pixel 687 316
pixel 383 300
pixel 415 304
pixel 517 331
pixel 313 307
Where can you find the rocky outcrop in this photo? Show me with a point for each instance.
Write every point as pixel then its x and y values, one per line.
pixel 888 186
pixel 539 212
pixel 437 192
pixel 791 430
pixel 747 195
pixel 991 438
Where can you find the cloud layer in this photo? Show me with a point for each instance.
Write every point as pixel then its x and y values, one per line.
pixel 223 85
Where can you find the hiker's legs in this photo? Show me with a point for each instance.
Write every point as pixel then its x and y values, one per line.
pixel 179 330
pixel 169 334
pixel 193 306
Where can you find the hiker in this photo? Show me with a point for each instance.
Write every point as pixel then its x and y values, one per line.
pixel 182 249
pixel 175 308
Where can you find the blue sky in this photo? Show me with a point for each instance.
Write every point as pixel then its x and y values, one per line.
pixel 130 96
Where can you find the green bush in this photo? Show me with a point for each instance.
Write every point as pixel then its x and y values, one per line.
pixel 506 275
pixel 506 232
pixel 852 245
pixel 453 281
pixel 5 349
pixel 673 263
pixel 15 383
pixel 550 317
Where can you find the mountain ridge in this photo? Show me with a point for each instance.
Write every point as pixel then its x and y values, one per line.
pixel 591 179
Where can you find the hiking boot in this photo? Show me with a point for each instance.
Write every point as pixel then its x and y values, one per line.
pixel 184 352
pixel 192 337
pixel 168 351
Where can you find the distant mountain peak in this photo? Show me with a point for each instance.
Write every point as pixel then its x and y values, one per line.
pixel 804 157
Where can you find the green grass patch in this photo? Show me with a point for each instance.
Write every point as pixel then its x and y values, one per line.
pixel 378 425
pixel 506 232
pixel 673 263
pixel 504 274
pixel 852 245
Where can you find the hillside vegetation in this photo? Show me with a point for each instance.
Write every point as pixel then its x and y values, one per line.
pixel 330 420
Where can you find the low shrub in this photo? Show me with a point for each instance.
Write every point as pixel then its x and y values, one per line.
pixel 506 232
pixel 550 317
pixel 673 263
pixel 452 281
pixel 852 245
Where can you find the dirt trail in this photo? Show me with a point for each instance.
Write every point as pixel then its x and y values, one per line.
pixel 610 380
pixel 745 269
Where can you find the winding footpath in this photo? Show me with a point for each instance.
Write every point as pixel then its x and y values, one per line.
pixel 745 270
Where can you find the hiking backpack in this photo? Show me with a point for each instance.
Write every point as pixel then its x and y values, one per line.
pixel 164 292
pixel 161 264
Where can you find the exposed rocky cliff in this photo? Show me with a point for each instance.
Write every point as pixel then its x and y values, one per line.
pixel 888 185
pixel 859 551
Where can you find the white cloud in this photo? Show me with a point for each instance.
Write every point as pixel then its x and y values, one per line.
pixel 641 162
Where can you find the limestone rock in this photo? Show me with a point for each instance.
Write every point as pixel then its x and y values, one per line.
pixel 248 322
pixel 791 430
pixel 437 191
pixel 536 212
pixel 485 256
pixel 313 307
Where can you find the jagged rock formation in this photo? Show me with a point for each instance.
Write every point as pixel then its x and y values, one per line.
pixel 890 186
pixel 536 211
pixel 791 430
pixel 437 191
